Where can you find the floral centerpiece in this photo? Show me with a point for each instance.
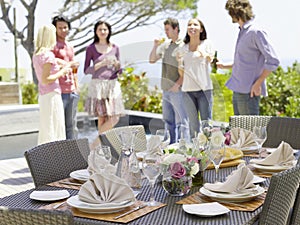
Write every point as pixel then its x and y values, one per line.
pixel 178 170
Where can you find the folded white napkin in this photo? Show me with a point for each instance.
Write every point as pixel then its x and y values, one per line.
pixel 241 138
pixel 105 188
pixel 283 156
pixel 153 144
pixel 238 181
pixel 101 165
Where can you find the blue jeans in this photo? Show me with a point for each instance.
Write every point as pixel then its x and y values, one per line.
pixel 243 104
pixel 175 115
pixel 70 102
pixel 199 101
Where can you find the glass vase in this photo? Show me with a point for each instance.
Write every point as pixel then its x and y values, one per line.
pixel 176 186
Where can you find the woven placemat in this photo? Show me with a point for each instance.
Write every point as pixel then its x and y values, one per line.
pixel 227 164
pixel 109 216
pixel 248 206
pixel 70 186
pixel 263 154
pixel 259 172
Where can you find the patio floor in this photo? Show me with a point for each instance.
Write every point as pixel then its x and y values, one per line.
pixel 14 176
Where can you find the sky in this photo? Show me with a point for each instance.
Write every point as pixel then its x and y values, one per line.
pixel 280 19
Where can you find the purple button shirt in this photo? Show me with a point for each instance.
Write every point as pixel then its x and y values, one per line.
pixel 253 54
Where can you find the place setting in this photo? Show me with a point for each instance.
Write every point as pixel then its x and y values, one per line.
pixel 280 159
pixel 105 196
pixel 239 191
pixel 244 140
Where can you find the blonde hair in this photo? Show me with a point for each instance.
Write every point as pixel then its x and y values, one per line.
pixel 46 39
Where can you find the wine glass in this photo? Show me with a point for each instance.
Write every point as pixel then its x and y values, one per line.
pixel 151 169
pixel 216 154
pixel 164 136
pixel 104 152
pixel 260 136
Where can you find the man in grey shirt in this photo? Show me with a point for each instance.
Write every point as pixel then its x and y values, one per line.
pixel 254 60
pixel 174 114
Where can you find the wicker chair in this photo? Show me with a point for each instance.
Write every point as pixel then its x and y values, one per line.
pixel 278 128
pixel 295 216
pixel 35 217
pixel 280 197
pixel 56 160
pixel 111 139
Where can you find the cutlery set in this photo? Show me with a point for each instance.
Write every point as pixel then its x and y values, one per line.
pixel 198 198
pixel 130 211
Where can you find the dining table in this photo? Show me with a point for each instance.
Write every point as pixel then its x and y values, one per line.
pixel 171 212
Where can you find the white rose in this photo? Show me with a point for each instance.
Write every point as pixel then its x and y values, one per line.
pixel 202 138
pixel 217 138
pixel 195 169
pixel 172 158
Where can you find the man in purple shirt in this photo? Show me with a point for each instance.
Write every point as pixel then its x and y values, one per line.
pixel 254 60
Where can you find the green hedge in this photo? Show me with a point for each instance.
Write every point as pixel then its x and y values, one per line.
pixel 283 90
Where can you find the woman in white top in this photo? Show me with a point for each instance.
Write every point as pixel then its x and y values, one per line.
pixel 194 65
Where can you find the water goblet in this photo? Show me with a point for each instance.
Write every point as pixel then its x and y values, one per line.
pixel 164 136
pixel 260 136
pixel 104 152
pixel 151 169
pixel 216 154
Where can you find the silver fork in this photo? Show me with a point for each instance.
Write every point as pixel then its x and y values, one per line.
pixel 220 201
pixel 58 205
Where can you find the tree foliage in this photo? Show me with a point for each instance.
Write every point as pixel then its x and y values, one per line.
pixel 283 93
pixel 123 15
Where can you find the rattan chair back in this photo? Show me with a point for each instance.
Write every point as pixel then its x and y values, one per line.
pixel 111 138
pixel 278 128
pixel 280 197
pixel 53 161
pixel 295 216
pixel 16 216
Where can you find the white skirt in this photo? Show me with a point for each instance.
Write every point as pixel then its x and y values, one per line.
pixel 104 98
pixel 52 119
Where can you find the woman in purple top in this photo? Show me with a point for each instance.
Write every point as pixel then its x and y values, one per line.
pixel 102 60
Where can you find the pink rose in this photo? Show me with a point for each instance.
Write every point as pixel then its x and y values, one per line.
pixel 228 137
pixel 177 170
pixel 192 159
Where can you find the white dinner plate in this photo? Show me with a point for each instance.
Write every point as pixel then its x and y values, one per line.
pixel 250 149
pixel 233 197
pixel 273 168
pixel 271 150
pixel 206 209
pixel 257 179
pixel 49 195
pixel 81 175
pixel 75 202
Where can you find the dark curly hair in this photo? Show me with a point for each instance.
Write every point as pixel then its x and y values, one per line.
pixel 240 9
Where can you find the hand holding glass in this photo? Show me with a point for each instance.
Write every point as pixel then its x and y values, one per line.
pixel 151 169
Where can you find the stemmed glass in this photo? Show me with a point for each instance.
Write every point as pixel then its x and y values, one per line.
pixel 151 169
pixel 164 136
pixel 104 152
pixel 216 154
pixel 260 136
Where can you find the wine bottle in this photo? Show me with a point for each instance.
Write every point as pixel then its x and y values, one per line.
pixel 214 63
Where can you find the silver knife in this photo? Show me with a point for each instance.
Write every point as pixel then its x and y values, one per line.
pixel 69 183
pixel 130 211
